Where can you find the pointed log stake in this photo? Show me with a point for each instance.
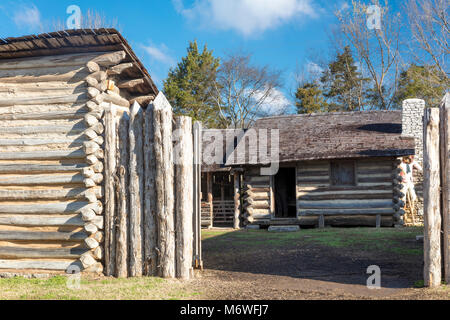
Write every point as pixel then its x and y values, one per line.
pixel 431 200
pixel 136 189
pixel 164 185
pixel 184 185
pixel 445 174
pixel 150 232
pixel 110 170
pixel 122 201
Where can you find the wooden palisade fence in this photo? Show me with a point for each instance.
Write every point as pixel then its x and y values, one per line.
pixel 149 192
pixel 436 194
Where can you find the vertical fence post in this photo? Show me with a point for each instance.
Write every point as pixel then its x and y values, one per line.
pixel 432 217
pixel 164 170
pixel 122 197
pixel 445 179
pixel 110 171
pixel 136 189
pixel 150 226
pixel 184 192
pixel 197 136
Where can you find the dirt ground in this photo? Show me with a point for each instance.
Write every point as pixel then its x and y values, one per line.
pixel 313 264
pixel 310 264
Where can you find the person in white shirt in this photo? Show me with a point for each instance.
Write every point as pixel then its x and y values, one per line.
pixel 408 165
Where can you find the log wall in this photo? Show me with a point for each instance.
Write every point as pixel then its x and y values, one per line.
pixel 52 150
pixel 374 200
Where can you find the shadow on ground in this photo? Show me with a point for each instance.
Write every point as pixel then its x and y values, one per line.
pixel 335 255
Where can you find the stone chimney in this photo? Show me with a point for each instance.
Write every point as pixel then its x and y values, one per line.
pixel 412 124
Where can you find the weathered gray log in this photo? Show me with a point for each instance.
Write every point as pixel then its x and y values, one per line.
pixel 25 235
pixel 93 92
pixel 431 199
pixel 118 69
pixel 48 208
pixel 48 194
pixel 142 100
pixel 110 171
pixel 184 190
pixel 43 155
pixel 92 66
pixel 345 204
pixel 41 220
pixel 87 260
pixel 122 198
pixel 71 98
pixel 369 211
pixel 110 59
pixel 136 189
pixel 40 179
pixel 164 185
pixel 90 228
pixel 99 76
pixel 129 84
pixel 59 265
pixel 72 129
pixel 69 76
pixel 47 253
pixel 53 115
pixel 91 243
pixel 150 229
pixel 66 60
pixel 445 178
pixel 112 97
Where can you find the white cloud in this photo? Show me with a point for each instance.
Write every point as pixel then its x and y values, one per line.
pixel 159 54
pixel 313 69
pixel 276 103
pixel 27 17
pixel 245 16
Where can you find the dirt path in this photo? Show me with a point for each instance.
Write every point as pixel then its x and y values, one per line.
pixel 259 265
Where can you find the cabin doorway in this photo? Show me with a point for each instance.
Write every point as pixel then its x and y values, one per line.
pixel 285 193
pixel 218 205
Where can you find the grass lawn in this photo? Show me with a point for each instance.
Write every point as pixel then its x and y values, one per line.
pixel 384 239
pixel 91 288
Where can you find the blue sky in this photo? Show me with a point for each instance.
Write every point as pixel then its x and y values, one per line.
pixel 281 33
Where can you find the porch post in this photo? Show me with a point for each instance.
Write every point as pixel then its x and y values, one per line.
pixel 237 200
pixel 210 197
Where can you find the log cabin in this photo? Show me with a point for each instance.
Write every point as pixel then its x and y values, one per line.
pixel 335 169
pixel 54 90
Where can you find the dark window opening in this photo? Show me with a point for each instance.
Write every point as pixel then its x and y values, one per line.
pixel 285 193
pixel 343 173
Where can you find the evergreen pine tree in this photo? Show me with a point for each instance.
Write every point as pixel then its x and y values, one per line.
pixel 190 86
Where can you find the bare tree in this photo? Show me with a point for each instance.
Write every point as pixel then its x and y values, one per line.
pixel 429 26
pixel 377 49
pixel 90 20
pixel 245 92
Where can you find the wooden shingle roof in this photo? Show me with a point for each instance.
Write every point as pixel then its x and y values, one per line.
pixel 330 136
pixel 76 41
